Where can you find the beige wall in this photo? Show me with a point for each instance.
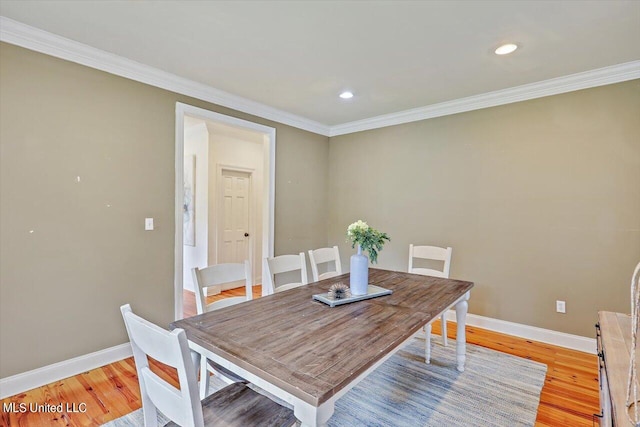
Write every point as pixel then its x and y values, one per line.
pixel 540 201
pixel 61 285
pixel 303 183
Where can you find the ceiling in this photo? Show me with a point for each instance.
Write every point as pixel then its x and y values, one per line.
pixel 393 55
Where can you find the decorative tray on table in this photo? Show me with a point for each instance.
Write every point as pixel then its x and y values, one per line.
pixel 373 291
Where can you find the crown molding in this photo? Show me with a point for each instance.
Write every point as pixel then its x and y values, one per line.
pixel 32 38
pixel 599 77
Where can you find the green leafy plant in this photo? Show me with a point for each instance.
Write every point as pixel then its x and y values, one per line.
pixel 369 239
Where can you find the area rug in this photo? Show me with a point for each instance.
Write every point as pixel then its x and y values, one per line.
pixel 496 389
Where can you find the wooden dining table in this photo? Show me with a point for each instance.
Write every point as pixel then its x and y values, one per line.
pixel 309 354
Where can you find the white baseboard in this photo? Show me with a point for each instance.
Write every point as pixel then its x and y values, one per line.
pixel 561 339
pixel 19 383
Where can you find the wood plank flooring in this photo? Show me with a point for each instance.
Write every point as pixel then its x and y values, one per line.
pixel 569 396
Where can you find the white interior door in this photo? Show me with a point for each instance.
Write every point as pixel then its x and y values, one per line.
pixel 234 217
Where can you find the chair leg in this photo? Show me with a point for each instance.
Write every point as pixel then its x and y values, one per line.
pixel 204 378
pixel 443 329
pixel 427 347
pixel 149 411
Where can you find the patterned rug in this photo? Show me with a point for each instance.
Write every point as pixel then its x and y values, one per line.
pixel 496 389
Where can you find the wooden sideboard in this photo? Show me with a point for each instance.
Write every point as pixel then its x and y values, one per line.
pixel 614 346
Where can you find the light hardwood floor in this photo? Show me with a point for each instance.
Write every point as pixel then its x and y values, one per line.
pixel 569 396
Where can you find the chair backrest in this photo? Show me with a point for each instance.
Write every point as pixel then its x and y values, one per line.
pixel 431 253
pixel 325 255
pixel 283 264
pixel 171 348
pixel 219 275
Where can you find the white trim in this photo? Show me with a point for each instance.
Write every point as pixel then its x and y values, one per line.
pixel 599 77
pixel 269 183
pixel 23 35
pixel 19 383
pixel 178 254
pixel 32 38
pixel 561 339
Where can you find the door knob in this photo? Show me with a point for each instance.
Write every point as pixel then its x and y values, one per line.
pixel 246 234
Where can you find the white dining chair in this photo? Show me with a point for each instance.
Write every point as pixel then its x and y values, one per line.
pixel 284 264
pixel 216 275
pixel 220 274
pixel 433 253
pixel 325 256
pixel 235 404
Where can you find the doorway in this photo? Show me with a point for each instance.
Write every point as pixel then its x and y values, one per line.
pixel 234 216
pixel 225 179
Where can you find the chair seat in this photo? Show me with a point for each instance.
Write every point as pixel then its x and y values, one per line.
pixel 238 405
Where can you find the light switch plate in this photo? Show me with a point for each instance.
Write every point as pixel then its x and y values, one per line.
pixel 148 224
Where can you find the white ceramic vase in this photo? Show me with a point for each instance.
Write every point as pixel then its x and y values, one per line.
pixel 359 273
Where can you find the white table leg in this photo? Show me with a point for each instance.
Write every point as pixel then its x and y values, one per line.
pixel 195 359
pixel 461 338
pixel 200 365
pixel 443 329
pixel 312 416
pixel 427 346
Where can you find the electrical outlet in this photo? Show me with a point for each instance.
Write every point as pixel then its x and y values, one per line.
pixel 561 307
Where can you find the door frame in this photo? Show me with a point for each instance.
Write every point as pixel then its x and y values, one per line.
pixel 220 168
pixel 268 204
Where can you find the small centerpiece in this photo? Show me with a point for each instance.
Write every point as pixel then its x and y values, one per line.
pixel 339 291
pixel 367 239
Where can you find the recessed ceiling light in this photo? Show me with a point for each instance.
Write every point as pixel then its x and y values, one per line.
pixel 346 95
pixel 506 49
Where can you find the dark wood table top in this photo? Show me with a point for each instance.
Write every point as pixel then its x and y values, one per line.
pixel 312 350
